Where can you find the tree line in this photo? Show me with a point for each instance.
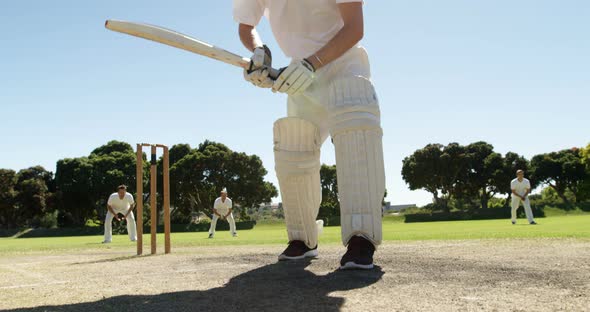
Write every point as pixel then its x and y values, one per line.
pixel 475 173
pixel 79 189
pixel 457 176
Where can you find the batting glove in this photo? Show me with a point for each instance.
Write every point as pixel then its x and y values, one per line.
pixel 295 79
pixel 258 71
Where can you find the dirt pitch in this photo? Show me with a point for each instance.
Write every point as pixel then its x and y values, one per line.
pixel 472 275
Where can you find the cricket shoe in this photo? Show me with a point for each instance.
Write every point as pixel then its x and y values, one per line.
pixel 210 235
pixel 298 250
pixel 234 234
pixel 533 223
pixel 359 254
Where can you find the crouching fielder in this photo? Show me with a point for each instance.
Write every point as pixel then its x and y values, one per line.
pixel 329 93
pixel 120 202
pixel 222 208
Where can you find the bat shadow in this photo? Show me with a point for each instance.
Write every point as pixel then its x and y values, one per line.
pixel 281 286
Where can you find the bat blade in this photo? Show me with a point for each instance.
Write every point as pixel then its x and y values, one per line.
pixel 177 40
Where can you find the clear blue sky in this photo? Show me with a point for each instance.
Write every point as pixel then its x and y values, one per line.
pixel 513 73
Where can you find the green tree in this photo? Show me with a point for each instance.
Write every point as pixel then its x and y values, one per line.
pixel 7 198
pixel 330 205
pixel 483 166
pixel 73 179
pixel 549 196
pixel 113 147
pixel 32 194
pixel 584 190
pixel 37 173
pixel 420 169
pixel 177 152
pixel 560 170
pixel 439 170
pixel 199 176
pixel 187 177
pixel 84 184
pixel 452 172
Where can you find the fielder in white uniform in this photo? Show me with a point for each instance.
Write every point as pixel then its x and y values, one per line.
pixel 330 94
pixel 521 187
pixel 222 208
pixel 123 203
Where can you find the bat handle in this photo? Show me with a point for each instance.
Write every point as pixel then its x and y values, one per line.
pixel 274 73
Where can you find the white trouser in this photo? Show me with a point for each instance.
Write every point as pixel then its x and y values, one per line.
pixel 342 103
pixel 516 201
pixel 230 219
pixel 108 226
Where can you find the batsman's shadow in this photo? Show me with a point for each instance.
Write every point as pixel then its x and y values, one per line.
pixel 282 286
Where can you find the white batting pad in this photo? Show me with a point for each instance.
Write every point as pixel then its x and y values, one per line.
pixel 357 136
pixel 297 164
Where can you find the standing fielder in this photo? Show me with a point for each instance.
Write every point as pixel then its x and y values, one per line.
pixel 222 208
pixel 329 93
pixel 120 202
pixel 521 187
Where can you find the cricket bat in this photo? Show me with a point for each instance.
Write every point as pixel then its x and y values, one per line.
pixel 181 41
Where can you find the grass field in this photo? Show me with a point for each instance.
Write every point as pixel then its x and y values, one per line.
pixel 563 226
pixel 488 265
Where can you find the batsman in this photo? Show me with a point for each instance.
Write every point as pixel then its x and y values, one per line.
pixel 329 93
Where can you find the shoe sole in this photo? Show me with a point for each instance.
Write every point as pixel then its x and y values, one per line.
pixel 309 254
pixel 354 266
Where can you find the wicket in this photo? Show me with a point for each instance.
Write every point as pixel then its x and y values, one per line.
pixel 153 197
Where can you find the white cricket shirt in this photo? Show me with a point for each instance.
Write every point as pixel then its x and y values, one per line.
pixel 222 206
pixel 520 187
pixel 301 27
pixel 120 205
